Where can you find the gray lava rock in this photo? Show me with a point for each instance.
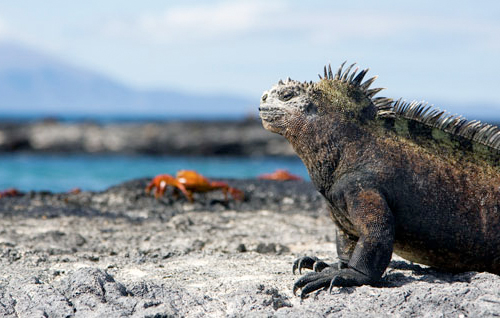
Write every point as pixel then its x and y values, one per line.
pixel 120 253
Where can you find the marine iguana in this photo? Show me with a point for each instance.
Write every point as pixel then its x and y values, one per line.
pixel 398 176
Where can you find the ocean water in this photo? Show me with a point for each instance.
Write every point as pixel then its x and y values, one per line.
pixel 60 173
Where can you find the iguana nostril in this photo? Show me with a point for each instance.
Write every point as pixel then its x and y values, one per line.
pixel 264 97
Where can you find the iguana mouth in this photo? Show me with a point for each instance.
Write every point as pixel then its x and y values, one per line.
pixel 268 109
pixel 270 113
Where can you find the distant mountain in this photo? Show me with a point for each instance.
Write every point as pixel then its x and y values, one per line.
pixel 35 84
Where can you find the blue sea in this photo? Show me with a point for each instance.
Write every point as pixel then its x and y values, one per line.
pixel 61 173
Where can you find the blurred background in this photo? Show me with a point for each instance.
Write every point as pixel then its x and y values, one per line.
pixel 97 92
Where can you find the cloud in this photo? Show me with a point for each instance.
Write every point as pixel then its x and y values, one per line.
pixel 3 29
pixel 284 21
pixel 199 22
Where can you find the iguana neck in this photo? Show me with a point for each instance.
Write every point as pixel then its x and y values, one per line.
pixel 320 145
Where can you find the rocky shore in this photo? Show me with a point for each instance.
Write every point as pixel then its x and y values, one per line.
pixel 121 253
pixel 188 138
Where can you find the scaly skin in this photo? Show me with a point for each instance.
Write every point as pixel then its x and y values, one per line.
pixel 391 184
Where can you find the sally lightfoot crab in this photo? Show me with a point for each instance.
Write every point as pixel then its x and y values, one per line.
pixel 279 175
pixel 12 192
pixel 188 182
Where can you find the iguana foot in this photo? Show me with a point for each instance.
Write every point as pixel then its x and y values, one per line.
pixel 330 278
pixel 309 262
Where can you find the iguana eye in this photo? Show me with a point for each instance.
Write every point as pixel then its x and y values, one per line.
pixel 311 109
pixel 287 95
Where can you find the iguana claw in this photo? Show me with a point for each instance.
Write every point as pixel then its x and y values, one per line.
pixel 310 262
pixel 329 278
pixel 314 281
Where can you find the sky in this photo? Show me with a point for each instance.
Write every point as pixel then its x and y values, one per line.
pixel 432 50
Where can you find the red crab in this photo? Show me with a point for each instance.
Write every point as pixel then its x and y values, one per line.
pixel 75 191
pixel 12 192
pixel 188 182
pixel 280 175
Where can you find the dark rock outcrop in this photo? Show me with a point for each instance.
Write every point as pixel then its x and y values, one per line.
pixel 188 138
pixel 130 200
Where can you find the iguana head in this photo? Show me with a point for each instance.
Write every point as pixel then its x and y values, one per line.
pixel 288 102
pixel 291 106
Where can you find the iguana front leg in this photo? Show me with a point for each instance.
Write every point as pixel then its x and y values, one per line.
pixel 374 222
